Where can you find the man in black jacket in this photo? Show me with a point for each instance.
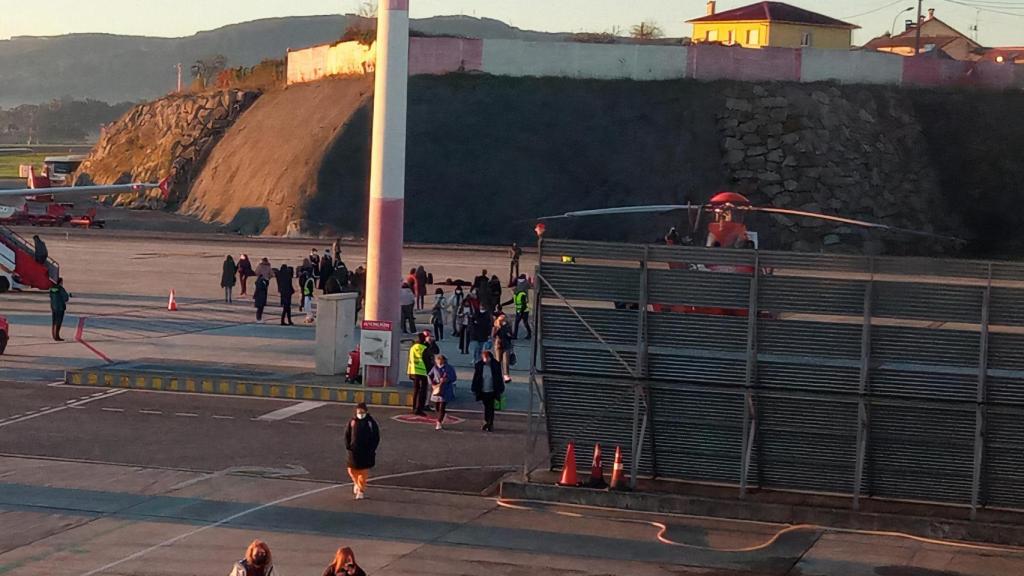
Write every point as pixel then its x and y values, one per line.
pixel 488 386
pixel 362 436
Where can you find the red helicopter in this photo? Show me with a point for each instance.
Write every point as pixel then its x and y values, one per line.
pixel 726 229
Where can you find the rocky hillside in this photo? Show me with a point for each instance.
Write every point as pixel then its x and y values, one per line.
pixel 486 155
pixel 171 137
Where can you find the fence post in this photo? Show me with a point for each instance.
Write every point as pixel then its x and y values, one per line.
pixel 981 398
pixel 749 413
pixel 531 435
pixel 863 414
pixel 641 389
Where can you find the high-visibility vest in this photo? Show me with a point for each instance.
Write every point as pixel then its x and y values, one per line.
pixel 308 287
pixel 522 300
pixel 416 365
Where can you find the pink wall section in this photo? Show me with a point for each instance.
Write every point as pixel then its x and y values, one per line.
pixel 709 62
pixel 444 55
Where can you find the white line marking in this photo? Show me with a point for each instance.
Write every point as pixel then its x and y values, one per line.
pixel 219 417
pixel 296 421
pixel 61 408
pixel 289 411
pixel 112 409
pixel 186 414
pixel 233 517
pixel 150 412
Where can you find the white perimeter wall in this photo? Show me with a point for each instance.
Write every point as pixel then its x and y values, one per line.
pixel 856 67
pixel 579 60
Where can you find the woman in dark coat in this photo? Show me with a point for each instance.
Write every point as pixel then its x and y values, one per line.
pixel 227 277
pixel 260 297
pixel 421 287
pixel 285 288
pixel 362 436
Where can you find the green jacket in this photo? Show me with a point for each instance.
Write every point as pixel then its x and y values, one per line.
pixel 416 365
pixel 59 299
pixel 522 300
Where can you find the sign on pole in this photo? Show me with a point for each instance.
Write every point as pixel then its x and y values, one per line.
pixel 375 343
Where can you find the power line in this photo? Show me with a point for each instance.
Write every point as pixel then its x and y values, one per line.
pixel 890 5
pixel 985 9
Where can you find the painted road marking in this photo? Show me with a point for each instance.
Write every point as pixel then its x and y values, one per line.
pixel 414 419
pixel 80 340
pixel 219 417
pixel 112 409
pixel 150 412
pixel 186 414
pixel 60 408
pixel 289 411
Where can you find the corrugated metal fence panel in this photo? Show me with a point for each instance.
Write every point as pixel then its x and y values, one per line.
pixel 1004 466
pixel 683 287
pixel 931 267
pixel 569 347
pixel 806 443
pixel 792 261
pixel 588 411
pixel 811 295
pixel 698 432
pixel 1007 306
pixel 711 333
pixel 921 452
pixel 580 249
pixel 598 283
pixel 934 302
pixel 923 363
pixel 1006 368
pixel 691 256
pixel 1008 271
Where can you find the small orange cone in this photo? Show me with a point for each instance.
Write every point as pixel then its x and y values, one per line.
pixel 618 481
pixel 172 304
pixel 597 470
pixel 569 472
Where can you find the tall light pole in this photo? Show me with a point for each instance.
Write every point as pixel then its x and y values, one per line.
pixel 387 178
pixel 892 29
pixel 917 29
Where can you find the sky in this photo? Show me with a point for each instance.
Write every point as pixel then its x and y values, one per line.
pixel 1000 22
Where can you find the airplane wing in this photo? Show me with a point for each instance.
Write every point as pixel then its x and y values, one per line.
pixel 657 209
pixel 82 191
pixel 850 221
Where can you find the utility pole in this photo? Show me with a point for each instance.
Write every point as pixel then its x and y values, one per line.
pixel 917 33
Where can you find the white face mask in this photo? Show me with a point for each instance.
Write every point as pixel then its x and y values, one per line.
pixel 361 415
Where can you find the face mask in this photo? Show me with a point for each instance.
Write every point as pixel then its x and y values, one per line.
pixel 361 415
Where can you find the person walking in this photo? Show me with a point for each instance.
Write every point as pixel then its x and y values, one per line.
pixel 501 337
pixel 488 386
pixel 464 318
pixel 417 371
pixel 314 258
pixel 481 287
pixel 521 300
pixel 457 297
pixel 286 290
pixel 494 285
pixel 227 277
pixel 344 564
pixel 257 561
pixel 362 436
pixel 308 289
pixel 514 253
pixel 442 380
pixel 326 270
pixel 265 270
pixel 39 252
pixel 408 301
pixel 480 331
pixel 261 289
pixel 304 273
pixel 438 311
pixel 245 272
pixel 58 306
pixel 421 288
pixel 411 281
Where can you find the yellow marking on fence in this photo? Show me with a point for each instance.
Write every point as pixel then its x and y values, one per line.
pixel 307 393
pixel 291 392
pixel 376 397
pixel 240 389
pixel 158 383
pixel 394 399
pixel 172 385
pixel 257 389
pixel 207 386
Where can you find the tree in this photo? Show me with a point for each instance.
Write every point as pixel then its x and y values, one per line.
pixel 647 30
pixel 208 68
pixel 367 9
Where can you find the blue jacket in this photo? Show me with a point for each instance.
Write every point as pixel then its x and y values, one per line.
pixel 446 374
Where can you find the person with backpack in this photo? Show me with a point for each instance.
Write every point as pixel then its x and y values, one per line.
pixel 261 291
pixel 437 313
pixel 257 561
pixel 417 371
pixel 362 437
pixel 308 289
pixel 442 380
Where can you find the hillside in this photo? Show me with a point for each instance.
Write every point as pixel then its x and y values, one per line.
pixel 116 68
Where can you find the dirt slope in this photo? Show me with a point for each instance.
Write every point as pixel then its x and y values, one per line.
pixel 270 158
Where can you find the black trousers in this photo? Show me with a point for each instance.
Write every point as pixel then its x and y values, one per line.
pixel 464 339
pixel 286 308
pixel 408 319
pixel 58 321
pixel 259 313
pixel 487 399
pixel 419 393
pixel 523 317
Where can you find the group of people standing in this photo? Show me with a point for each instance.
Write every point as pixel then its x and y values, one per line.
pixel 326 273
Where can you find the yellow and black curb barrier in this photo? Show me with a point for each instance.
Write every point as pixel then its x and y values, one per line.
pixel 235 387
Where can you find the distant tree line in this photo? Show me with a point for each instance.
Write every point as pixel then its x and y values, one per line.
pixel 59 121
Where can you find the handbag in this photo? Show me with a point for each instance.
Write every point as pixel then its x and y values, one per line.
pixel 435 393
pixel 500 403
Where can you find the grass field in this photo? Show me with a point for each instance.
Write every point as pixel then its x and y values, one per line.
pixel 9 163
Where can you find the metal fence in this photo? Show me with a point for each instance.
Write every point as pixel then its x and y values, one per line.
pixel 872 377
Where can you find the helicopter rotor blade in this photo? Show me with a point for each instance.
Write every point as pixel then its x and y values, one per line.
pixel 656 209
pixel 851 221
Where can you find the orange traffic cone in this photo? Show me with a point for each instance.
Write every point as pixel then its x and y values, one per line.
pixel 597 470
pixel 569 472
pixel 172 304
pixel 618 481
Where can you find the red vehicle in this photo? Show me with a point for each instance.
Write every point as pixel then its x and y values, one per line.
pixel 5 332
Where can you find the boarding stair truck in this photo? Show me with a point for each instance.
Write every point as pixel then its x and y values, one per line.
pixel 18 266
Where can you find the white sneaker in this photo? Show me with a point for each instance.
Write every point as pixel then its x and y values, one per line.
pixel 360 495
pixel 438 427
pixel 355 488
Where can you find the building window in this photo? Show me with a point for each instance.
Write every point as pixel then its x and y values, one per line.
pixel 805 39
pixel 712 36
pixel 753 37
pixel 731 38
